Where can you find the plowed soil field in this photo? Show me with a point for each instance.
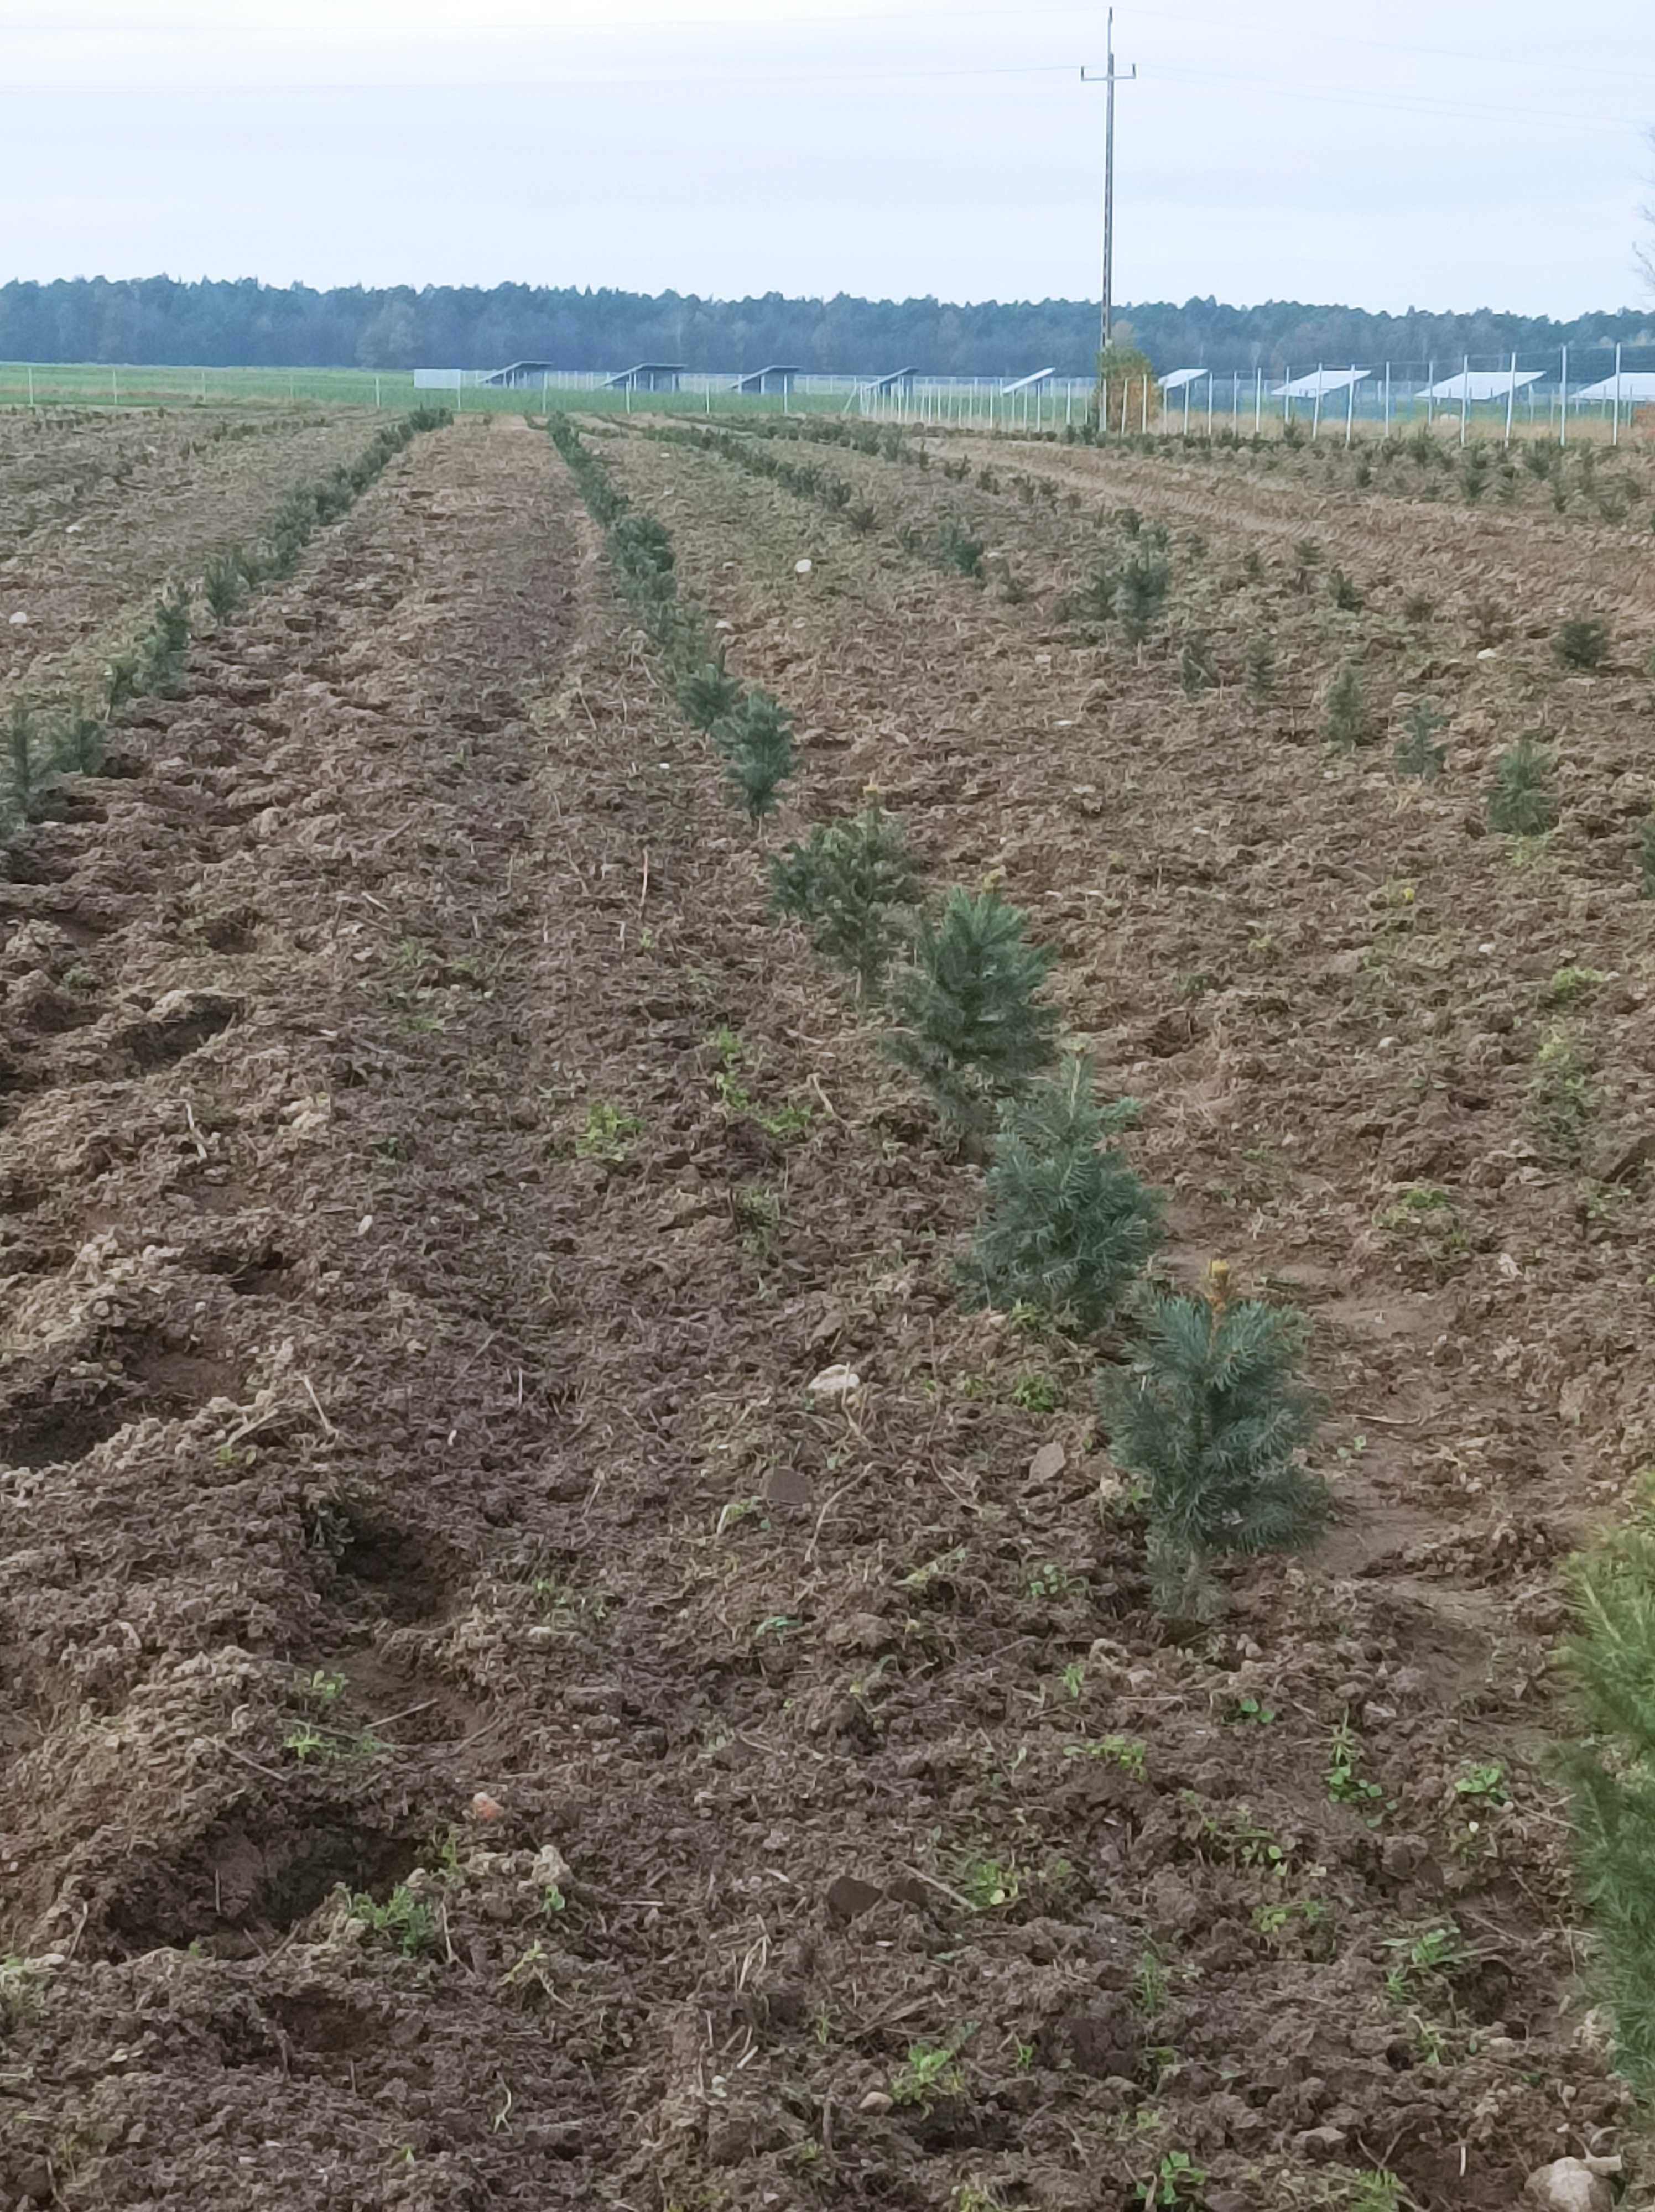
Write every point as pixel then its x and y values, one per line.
pixel 476 1729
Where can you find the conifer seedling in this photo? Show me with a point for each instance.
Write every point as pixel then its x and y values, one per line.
pixel 20 758
pixel 1070 1226
pixel 958 549
pixel 1140 593
pixel 120 680
pixel 1261 666
pixel 849 884
pixel 1611 1767
pixel 708 694
pixel 1417 751
pixel 969 1025
pixel 224 583
pixel 1213 1418
pixel 1348 722
pixel 79 744
pixel 756 742
pixel 165 647
pixel 1521 801
pixel 641 548
pixel 1095 600
pixel 1196 672
pixel 1582 643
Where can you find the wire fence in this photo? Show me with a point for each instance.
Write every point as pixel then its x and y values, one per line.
pixel 1607 391
pixel 1597 393
pixel 123 385
pixel 1583 390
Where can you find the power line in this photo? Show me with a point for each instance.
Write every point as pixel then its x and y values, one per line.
pixel 1408 103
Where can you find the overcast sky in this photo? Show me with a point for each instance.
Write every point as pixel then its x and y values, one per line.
pixel 1484 154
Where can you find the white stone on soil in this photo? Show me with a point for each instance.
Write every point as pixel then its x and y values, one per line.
pixel 1568 2184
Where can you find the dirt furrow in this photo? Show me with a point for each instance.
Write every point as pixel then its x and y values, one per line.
pixel 144 501
pixel 1535 566
pixel 478 1728
pixel 1261 945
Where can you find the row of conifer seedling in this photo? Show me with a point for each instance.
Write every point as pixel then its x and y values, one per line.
pixel 40 744
pixel 1209 1417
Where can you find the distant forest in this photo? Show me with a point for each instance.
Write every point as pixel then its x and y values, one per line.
pixel 155 320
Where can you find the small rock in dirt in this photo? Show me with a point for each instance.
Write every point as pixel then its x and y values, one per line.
pixel 1320 2143
pixel 832 1324
pixel 484 1808
pixel 908 1889
pixel 736 2136
pixel 595 1698
pixel 1048 1463
pixel 1172 1903
pixel 1103 2042
pixel 1568 2184
pixel 860 1631
pixel 848 1898
pixel 877 2101
pixel 788 1486
pixel 18 620
pixel 550 1871
pixel 1401 1854
pixel 836 1382
pixel 1043 1940
pixel 801 567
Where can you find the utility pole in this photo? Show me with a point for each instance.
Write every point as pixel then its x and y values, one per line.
pixel 1109 78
